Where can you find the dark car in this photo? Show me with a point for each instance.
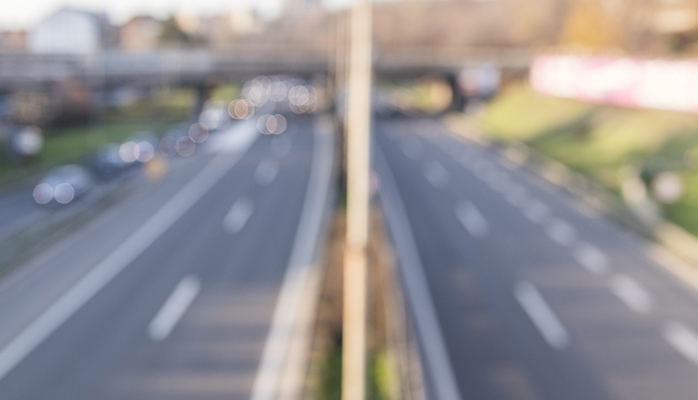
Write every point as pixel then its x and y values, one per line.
pixel 63 185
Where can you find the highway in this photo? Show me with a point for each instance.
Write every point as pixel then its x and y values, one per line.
pixel 198 285
pixel 193 286
pixel 17 209
pixel 519 291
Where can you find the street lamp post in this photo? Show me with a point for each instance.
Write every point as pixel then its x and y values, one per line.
pixel 358 126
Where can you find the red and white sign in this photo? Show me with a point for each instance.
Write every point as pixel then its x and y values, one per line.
pixel 621 81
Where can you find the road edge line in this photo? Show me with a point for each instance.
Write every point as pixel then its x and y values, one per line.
pixel 417 288
pixel 299 271
pixel 117 260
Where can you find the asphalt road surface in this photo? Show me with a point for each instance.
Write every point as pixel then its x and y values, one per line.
pixel 517 290
pixel 17 209
pixel 188 289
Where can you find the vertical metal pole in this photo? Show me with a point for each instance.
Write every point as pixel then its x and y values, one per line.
pixel 358 125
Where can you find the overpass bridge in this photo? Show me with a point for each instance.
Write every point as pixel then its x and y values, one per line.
pixel 194 67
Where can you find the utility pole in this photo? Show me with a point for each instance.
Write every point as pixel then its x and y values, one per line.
pixel 358 126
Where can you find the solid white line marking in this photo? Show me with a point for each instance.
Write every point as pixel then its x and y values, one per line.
pixel 683 339
pixel 472 220
pixel 281 145
pixel 536 211
pixel 631 292
pixel 436 355
pixel 591 258
pixel 174 308
pixel 266 171
pixel 561 232
pixel 541 315
pixel 298 271
pixel 124 254
pixel 436 174
pixel 412 148
pixel 237 217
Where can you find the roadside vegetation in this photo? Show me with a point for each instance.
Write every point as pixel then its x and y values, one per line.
pixel 324 381
pixel 72 143
pixel 603 142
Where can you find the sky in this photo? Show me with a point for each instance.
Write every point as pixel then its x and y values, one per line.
pixel 23 14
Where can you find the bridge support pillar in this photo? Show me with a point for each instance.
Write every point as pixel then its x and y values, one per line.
pixel 458 99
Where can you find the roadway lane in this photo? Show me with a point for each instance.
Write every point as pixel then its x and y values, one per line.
pixel 187 316
pixel 17 210
pixel 535 296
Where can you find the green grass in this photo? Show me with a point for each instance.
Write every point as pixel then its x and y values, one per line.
pixel 226 93
pixel 600 140
pixel 381 378
pixel 331 379
pixel 72 144
pixel 379 382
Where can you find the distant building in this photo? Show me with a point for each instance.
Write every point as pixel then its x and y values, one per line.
pixel 72 31
pixel 244 20
pixel 140 34
pixel 222 30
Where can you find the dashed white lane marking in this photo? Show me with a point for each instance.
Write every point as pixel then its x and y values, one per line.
pixel 464 156
pixel 536 211
pixel 683 339
pixel 541 315
pixel 561 232
pixel 174 308
pixel 412 148
pixel 481 168
pixel 280 146
pixel 453 151
pixel 266 171
pixel 236 142
pixel 392 135
pixel 237 217
pixel 437 360
pixel 516 195
pixel 472 220
pixel 591 258
pixel 631 292
pixel 436 174
pixel 467 162
pixel 497 180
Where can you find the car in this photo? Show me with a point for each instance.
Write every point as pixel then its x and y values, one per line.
pixel 62 185
pixel 107 163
